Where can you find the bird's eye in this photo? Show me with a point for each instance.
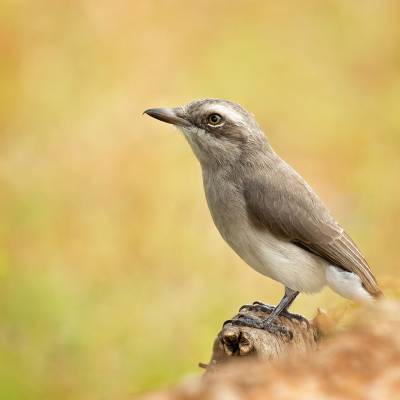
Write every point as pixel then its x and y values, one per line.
pixel 214 119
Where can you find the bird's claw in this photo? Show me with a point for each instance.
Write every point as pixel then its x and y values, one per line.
pixel 298 317
pixel 269 326
pixel 257 306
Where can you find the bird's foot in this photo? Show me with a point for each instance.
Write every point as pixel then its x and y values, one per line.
pixel 276 328
pixel 298 317
pixel 259 306
pixel 268 325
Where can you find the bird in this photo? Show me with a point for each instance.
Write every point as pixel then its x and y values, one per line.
pixel 265 211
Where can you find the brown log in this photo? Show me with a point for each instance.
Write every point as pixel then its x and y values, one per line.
pixel 297 335
pixel 360 362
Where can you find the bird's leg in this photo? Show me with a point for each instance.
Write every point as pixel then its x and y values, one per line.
pixel 283 305
pixel 268 323
pixel 280 309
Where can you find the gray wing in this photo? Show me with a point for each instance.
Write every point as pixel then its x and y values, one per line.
pixel 284 203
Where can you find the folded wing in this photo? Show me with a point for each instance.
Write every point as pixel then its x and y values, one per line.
pixel 283 203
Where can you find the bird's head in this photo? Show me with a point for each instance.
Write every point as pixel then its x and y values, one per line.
pixel 217 130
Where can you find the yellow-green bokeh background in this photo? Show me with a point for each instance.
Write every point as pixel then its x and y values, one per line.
pixel 113 279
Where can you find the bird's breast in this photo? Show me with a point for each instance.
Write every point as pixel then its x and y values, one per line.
pixel 278 259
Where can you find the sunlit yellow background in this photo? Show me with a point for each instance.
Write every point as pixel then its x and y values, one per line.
pixel 113 279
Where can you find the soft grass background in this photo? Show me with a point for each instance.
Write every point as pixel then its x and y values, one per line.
pixel 113 279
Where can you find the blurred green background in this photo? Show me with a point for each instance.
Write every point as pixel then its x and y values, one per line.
pixel 113 278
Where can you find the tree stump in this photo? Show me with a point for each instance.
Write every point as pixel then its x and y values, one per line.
pixel 235 341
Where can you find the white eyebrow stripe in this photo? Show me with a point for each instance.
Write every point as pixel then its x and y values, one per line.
pixel 227 112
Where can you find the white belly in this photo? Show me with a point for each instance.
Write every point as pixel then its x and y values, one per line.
pixel 282 261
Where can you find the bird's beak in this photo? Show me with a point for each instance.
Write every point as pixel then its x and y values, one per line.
pixel 173 116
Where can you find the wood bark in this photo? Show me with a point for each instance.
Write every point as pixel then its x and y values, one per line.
pixel 360 362
pixel 234 341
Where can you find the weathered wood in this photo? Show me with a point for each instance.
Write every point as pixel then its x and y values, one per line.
pixel 360 362
pixel 233 341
